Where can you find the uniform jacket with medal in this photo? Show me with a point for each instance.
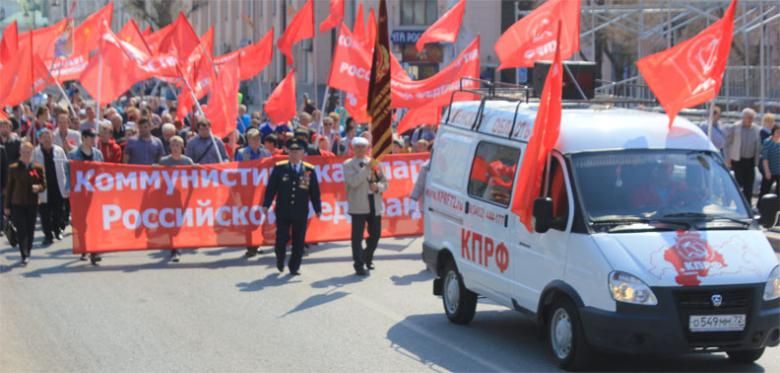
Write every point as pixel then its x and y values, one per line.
pixel 293 191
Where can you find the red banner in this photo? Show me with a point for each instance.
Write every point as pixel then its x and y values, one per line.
pixel 118 207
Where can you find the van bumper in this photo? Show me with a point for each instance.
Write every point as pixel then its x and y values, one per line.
pixel 663 329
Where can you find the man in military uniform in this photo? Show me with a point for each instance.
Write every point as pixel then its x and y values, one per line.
pixel 293 183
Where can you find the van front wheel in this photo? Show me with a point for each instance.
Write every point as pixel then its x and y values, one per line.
pixel 460 303
pixel 565 337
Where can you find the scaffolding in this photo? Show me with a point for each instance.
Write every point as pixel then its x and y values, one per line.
pixel 615 30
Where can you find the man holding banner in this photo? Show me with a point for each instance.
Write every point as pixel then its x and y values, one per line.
pixel 293 183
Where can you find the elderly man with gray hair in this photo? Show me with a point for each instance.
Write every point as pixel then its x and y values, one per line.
pixel 743 151
pixel 168 131
pixel 365 184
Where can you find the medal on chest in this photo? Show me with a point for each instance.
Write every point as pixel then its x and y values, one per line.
pixel 304 180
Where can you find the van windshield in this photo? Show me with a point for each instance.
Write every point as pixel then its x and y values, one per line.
pixel 643 185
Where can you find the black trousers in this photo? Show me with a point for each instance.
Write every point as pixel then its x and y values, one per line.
pixel 23 218
pixel 65 213
pixel 766 185
pixel 51 216
pixel 745 173
pixel 283 229
pixel 360 222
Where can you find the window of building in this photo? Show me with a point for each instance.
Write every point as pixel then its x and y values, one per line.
pixel 493 173
pixel 418 12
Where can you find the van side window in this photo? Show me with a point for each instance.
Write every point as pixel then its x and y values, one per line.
pixel 557 192
pixel 493 173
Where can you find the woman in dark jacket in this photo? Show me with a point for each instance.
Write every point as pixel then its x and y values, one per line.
pixel 25 180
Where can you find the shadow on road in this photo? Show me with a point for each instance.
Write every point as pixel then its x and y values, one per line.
pixel 508 341
pixel 272 280
pixel 422 276
pixel 337 281
pixel 317 300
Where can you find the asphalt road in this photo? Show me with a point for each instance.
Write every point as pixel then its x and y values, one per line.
pixel 217 311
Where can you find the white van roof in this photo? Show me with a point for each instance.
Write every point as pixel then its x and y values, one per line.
pixel 584 127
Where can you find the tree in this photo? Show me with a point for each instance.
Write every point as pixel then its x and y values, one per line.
pixel 160 13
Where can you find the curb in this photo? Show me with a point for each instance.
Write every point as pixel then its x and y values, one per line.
pixel 774 239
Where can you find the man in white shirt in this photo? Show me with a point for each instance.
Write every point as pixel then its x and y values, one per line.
pixel 66 138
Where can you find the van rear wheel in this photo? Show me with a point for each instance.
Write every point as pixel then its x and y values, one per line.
pixel 460 303
pixel 745 356
pixel 565 336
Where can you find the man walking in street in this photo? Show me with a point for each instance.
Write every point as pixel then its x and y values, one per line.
pixel 743 151
pixel 144 149
pixel 365 184
pixel 176 158
pixel 55 162
pixel 206 148
pixel 87 152
pixel 293 183
pixel 252 152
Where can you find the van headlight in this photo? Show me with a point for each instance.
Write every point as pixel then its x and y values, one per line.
pixel 630 289
pixel 772 287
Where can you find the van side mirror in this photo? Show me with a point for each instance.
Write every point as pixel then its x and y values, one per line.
pixel 768 206
pixel 543 214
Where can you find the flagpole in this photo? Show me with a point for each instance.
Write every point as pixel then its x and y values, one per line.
pixel 200 111
pixel 100 79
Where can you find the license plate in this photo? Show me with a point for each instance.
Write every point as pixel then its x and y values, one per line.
pixel 716 323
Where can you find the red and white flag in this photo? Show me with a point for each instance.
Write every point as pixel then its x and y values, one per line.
pixel 445 29
pixel 533 37
pixel 690 73
pixel 545 133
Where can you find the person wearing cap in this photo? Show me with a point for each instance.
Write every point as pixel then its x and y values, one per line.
pixel 305 136
pixel 87 152
pixel 365 184
pixel 743 151
pixel 52 200
pixel 293 184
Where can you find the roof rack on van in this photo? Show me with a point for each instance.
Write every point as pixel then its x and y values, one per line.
pixel 489 90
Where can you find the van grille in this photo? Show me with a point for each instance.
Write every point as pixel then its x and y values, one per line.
pixel 699 302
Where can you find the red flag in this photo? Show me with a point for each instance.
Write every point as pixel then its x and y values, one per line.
pixel 690 73
pixel 300 28
pixel 23 76
pixel 424 115
pixel 113 69
pixel 533 38
pixel 131 35
pixel 87 35
pixel 359 26
pixel 222 109
pixel 44 39
pixel 9 44
pixel 280 105
pixel 198 73
pixel 147 31
pixel 445 29
pixel 437 90
pixel 335 17
pixel 371 30
pixel 252 59
pixel 180 39
pixel 351 66
pixel 543 138
pixel 356 106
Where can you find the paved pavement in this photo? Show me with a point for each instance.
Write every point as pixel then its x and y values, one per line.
pixel 217 311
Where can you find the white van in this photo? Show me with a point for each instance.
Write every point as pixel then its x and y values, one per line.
pixel 642 242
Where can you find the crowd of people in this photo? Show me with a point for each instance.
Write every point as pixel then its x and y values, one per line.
pixel 747 146
pixel 142 130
